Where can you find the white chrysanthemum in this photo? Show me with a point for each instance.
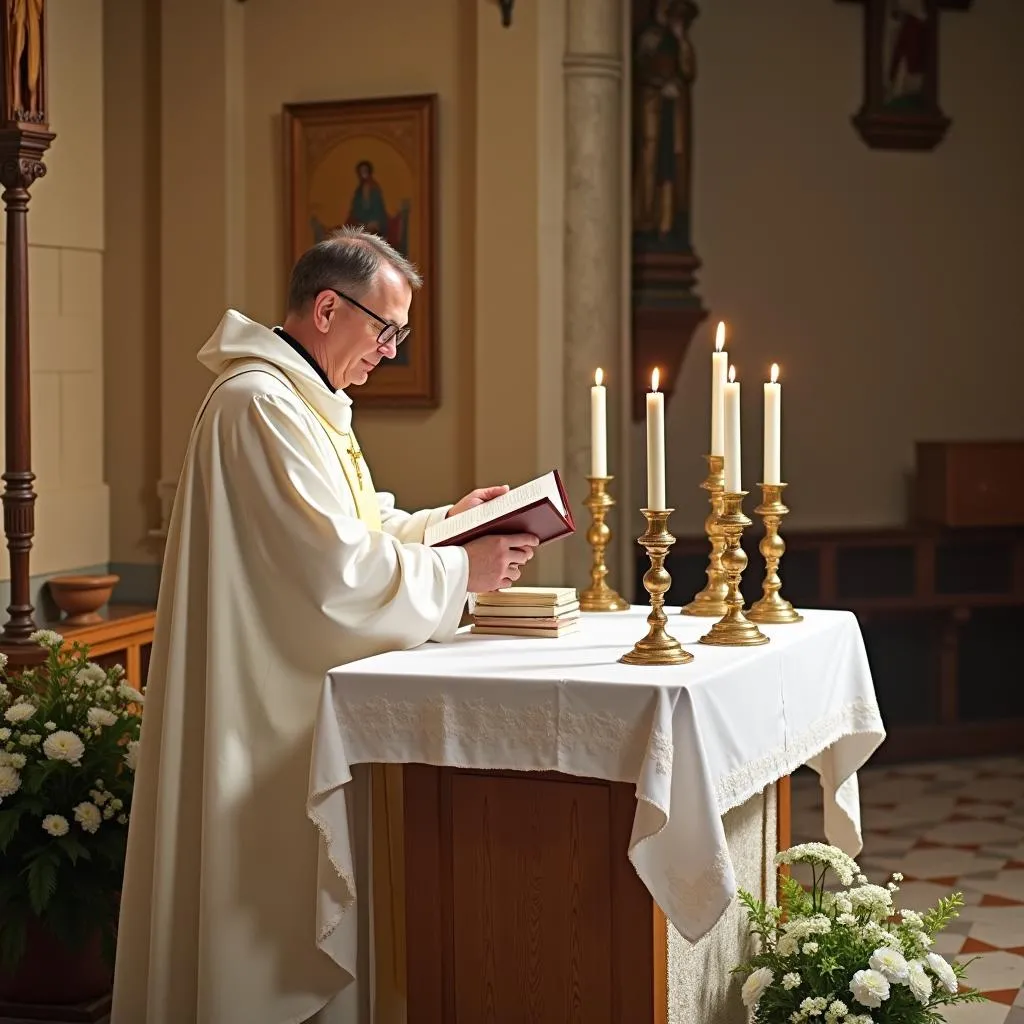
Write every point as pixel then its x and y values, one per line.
pixel 813 1006
pixel 131 757
pixel 17 761
pixel 46 638
pixel 786 946
pixel 913 918
pixel 810 948
pixel 848 920
pixel 870 987
pixel 943 972
pixel 56 824
pixel 841 863
pixel 838 1009
pixel 131 694
pixel 791 981
pixel 872 898
pixel 918 982
pixel 10 781
pixel 50 726
pixel 99 718
pixel 88 816
pixel 63 746
pixel 890 962
pixel 90 675
pixel 754 987
pixel 20 712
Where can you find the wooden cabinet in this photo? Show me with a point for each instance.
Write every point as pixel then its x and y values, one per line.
pixel 941 611
pixel 124 637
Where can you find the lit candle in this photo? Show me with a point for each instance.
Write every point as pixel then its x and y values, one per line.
pixel 598 427
pixel 773 429
pixel 732 434
pixel 719 369
pixel 655 447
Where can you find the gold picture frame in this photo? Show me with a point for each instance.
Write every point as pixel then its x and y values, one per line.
pixel 372 162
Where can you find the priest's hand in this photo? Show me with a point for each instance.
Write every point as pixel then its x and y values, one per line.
pixel 494 562
pixel 477 497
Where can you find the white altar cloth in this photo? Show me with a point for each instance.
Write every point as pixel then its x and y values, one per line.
pixel 696 739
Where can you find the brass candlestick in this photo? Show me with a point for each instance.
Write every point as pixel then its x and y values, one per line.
pixel 772 607
pixel 710 602
pixel 657 648
pixel 734 629
pixel 599 597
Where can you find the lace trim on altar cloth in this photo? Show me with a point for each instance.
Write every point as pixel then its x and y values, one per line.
pixel 691 896
pixel 750 778
pixel 329 927
pixel 536 734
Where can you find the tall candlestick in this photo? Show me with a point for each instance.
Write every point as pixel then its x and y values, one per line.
pixel 598 427
pixel 773 429
pixel 732 434
pixel 719 369
pixel 655 447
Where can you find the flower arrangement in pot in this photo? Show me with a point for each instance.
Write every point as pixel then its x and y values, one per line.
pixel 69 734
pixel 847 956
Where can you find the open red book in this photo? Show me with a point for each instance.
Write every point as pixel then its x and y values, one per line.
pixel 539 507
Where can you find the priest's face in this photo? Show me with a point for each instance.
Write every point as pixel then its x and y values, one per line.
pixel 352 346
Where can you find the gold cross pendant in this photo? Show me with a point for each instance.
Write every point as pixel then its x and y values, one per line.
pixel 355 455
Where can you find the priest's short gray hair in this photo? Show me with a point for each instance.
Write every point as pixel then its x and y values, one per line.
pixel 347 261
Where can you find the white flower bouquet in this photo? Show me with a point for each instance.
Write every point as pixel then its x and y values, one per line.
pixel 847 956
pixel 69 734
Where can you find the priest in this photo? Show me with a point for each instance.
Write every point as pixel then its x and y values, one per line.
pixel 282 560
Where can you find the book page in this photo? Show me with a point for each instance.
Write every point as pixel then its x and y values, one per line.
pixel 515 499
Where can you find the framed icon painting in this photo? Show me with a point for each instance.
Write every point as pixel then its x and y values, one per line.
pixel 372 163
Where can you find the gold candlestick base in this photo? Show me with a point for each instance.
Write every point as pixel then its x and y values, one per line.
pixel 657 648
pixel 772 607
pixel 710 602
pixel 734 629
pixel 599 597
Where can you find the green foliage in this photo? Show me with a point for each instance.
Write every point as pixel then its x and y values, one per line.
pixel 69 734
pixel 828 956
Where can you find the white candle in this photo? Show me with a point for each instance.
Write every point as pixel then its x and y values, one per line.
pixel 655 447
pixel 598 427
pixel 732 434
pixel 719 369
pixel 773 429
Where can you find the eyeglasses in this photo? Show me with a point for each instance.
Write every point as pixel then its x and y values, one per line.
pixel 388 332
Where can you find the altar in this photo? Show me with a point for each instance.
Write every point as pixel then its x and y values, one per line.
pixel 575 829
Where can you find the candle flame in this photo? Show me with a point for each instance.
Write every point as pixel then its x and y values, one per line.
pixel 732 374
pixel 654 380
pixel 599 376
pixel 720 336
pixel 775 373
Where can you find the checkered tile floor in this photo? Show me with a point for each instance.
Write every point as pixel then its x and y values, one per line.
pixel 948 826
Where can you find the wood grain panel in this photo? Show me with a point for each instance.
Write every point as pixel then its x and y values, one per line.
pixel 522 906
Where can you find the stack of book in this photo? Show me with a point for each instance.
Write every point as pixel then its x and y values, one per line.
pixel 527 611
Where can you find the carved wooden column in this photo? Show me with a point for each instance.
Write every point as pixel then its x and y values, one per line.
pixel 24 138
pixel 666 309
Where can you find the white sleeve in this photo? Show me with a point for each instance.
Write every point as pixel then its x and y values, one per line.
pixel 400 594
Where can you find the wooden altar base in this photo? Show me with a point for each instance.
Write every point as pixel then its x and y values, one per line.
pixel 95 1012
pixel 521 904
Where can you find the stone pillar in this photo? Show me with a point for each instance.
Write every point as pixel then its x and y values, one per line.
pixel 594 258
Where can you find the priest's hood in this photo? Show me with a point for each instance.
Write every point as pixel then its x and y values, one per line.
pixel 238 339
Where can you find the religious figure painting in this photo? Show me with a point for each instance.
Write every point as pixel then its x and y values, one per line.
pixel 370 163
pixel 664 68
pixel 901 109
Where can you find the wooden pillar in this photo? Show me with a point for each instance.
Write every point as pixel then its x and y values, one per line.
pixel 24 138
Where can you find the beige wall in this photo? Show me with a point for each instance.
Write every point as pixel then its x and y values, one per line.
pixel 66 302
pixel 885 284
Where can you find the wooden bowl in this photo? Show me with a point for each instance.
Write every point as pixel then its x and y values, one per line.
pixel 81 597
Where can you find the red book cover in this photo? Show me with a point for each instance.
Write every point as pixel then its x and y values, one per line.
pixel 541 518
